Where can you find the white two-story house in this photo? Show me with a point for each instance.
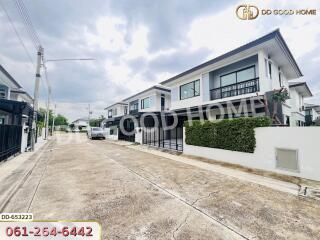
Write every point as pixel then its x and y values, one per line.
pixel 16 116
pixel 254 69
pixel 312 114
pixel 152 100
pixel 298 92
pixel 241 82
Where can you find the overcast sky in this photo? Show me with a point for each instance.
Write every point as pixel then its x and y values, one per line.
pixel 138 43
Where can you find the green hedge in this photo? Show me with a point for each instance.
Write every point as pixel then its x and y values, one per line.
pixel 234 134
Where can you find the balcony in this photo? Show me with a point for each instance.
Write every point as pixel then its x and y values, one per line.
pixel 249 86
pixel 134 111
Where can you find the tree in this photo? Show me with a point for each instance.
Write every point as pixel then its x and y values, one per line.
pixel 95 122
pixel 60 120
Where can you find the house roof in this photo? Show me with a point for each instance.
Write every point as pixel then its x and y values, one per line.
pixel 4 71
pixel 302 87
pixel 80 119
pixel 22 92
pixel 118 103
pixel 273 35
pixel 158 87
pixel 312 106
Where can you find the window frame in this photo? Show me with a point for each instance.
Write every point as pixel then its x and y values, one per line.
pixel 194 89
pixel 3 93
pixel 143 103
pixel 110 115
pixel 270 69
pixel 281 79
pixel 134 103
pixel 239 70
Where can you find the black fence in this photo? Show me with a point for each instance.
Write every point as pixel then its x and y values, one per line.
pixel 10 140
pixel 168 139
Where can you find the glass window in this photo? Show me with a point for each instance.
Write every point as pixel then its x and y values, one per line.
pixel 134 105
pixel 228 79
pixel 280 79
pixel 246 74
pixel 270 69
pixel 2 93
pixel 145 103
pixel 110 113
pixel 197 88
pixel 190 90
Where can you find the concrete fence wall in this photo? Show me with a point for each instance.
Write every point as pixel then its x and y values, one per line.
pixel 303 139
pixel 109 136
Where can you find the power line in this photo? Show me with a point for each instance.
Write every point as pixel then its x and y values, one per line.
pixel 29 20
pixel 28 24
pixel 17 33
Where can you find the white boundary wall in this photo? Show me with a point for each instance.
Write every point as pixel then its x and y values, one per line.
pixel 304 139
pixel 138 135
pixel 109 136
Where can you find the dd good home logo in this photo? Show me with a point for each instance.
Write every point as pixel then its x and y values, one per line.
pixel 250 12
pixel 247 12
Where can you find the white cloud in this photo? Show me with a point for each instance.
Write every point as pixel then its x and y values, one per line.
pixel 221 32
pixel 109 34
pixel 224 31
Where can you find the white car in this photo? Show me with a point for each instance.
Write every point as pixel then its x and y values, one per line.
pixel 96 132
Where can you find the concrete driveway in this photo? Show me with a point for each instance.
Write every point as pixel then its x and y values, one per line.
pixel 137 195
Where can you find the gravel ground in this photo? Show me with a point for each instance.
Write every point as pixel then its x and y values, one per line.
pixel 137 195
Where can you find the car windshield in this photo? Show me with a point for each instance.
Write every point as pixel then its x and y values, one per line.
pixel 96 129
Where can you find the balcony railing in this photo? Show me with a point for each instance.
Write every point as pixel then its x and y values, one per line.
pixel 249 86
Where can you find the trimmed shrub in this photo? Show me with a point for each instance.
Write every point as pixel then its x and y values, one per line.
pixel 229 134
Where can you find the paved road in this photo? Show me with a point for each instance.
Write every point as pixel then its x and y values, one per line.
pixel 136 195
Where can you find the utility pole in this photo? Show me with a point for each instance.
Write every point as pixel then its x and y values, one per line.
pixel 89 115
pixel 36 98
pixel 48 113
pixel 53 115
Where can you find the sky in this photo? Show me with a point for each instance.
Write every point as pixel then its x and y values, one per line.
pixel 137 44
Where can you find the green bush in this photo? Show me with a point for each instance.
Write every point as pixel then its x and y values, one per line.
pixel 230 134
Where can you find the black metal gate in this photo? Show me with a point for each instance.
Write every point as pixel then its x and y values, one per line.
pixel 126 137
pixel 10 140
pixel 168 139
pixel 128 131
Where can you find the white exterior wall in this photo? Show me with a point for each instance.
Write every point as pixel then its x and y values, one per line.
pixel 315 115
pixel 296 101
pixel 109 136
pixel 267 83
pixel 264 157
pixel 155 96
pixel 138 135
pixel 120 110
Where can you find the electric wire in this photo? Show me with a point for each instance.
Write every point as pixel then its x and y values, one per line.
pixel 29 28
pixel 17 34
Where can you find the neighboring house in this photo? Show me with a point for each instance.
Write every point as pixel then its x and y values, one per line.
pixel 254 69
pixel 246 77
pixel 16 116
pixel 298 92
pixel 117 110
pixel 80 124
pixel 312 114
pixel 152 100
